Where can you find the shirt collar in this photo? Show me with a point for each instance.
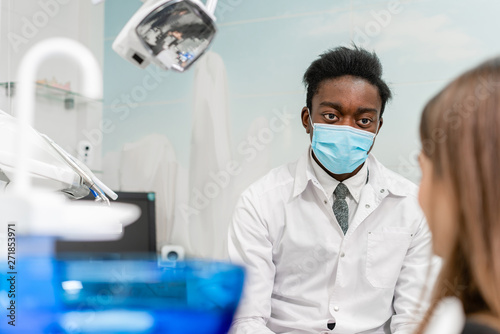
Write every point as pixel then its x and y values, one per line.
pixel 329 184
pixel 379 177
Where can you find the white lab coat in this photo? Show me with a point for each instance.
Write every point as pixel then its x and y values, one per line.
pixel 303 273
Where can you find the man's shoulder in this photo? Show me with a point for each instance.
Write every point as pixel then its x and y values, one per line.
pixel 396 183
pixel 277 179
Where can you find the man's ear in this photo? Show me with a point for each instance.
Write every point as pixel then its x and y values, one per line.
pixel 305 119
pixel 381 122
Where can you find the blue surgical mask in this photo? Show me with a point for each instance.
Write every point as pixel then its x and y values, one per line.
pixel 340 148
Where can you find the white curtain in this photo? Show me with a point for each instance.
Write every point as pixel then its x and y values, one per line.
pixel 150 165
pixel 210 183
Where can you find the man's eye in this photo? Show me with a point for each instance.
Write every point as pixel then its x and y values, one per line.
pixel 366 121
pixel 330 117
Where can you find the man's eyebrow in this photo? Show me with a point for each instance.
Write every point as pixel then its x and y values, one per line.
pixel 362 110
pixel 333 105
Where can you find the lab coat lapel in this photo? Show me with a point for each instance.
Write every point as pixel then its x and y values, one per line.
pixel 369 200
pixel 372 194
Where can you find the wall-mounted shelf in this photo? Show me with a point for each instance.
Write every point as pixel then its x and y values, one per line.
pixel 69 98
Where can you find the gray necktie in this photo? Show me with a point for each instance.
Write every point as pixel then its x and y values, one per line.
pixel 340 208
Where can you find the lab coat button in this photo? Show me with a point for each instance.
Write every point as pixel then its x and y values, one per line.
pixel 367 206
pixel 336 308
pixel 342 254
pixel 325 201
pixel 382 190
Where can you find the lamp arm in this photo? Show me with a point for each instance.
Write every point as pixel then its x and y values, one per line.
pixel 211 5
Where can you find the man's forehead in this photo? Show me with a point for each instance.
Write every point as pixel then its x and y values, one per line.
pixel 346 81
pixel 344 90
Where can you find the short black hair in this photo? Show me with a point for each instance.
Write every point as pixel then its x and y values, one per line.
pixel 342 61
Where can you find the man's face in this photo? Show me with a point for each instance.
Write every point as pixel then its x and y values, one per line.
pixel 345 100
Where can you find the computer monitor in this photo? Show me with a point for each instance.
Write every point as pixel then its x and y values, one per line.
pixel 138 237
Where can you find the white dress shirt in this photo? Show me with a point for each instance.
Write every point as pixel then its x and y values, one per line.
pixel 303 273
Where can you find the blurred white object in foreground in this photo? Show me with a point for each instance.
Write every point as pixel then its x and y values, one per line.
pixel 448 317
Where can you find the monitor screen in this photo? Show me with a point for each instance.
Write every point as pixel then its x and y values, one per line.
pixel 138 237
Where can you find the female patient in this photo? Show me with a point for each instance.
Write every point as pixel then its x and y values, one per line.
pixel 460 194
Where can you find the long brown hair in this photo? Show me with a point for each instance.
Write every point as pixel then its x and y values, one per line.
pixel 460 133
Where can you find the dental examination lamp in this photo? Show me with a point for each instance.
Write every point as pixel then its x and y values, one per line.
pixel 172 34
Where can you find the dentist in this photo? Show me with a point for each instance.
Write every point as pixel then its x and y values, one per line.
pixel 335 242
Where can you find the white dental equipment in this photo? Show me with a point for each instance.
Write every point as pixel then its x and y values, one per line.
pixel 51 167
pixel 37 211
pixel 172 34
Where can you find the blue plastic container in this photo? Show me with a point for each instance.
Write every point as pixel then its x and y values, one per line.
pixel 119 296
